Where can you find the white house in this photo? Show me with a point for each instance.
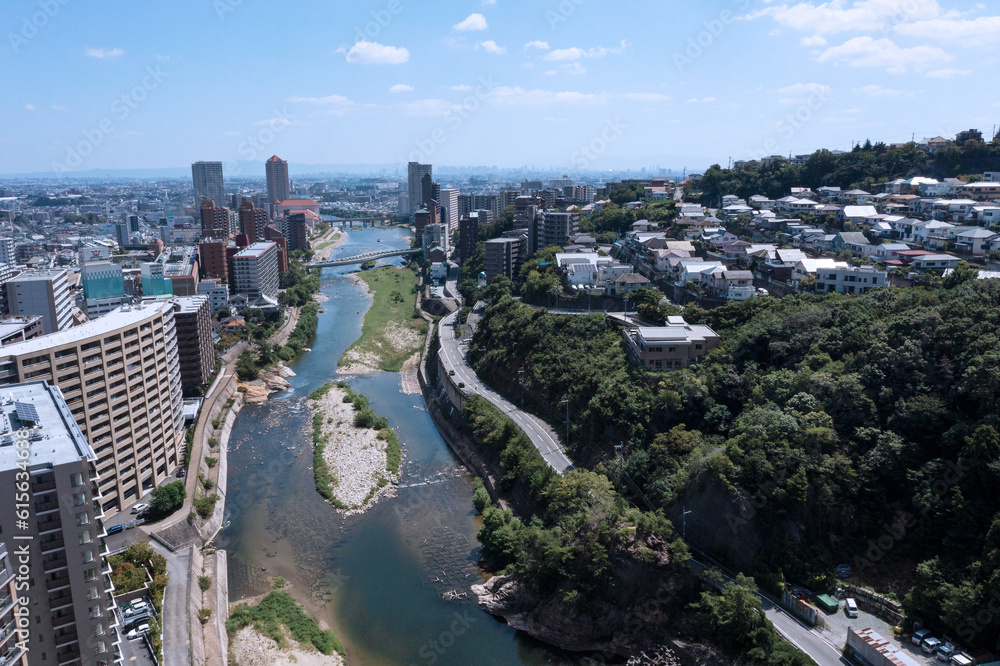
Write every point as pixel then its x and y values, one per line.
pixel 935 261
pixel 812 266
pixel 974 241
pixel 858 214
pixel 762 202
pixel 849 279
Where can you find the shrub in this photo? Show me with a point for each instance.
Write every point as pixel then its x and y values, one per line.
pixel 213 442
pixel 205 505
pixel 204 614
pixel 211 462
pixel 204 582
pixel 207 484
pixel 480 496
pixel 279 582
pixel 279 609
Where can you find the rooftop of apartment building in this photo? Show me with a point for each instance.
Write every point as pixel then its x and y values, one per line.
pixel 10 325
pixel 189 304
pixel 44 274
pixel 255 250
pixel 39 410
pixel 122 317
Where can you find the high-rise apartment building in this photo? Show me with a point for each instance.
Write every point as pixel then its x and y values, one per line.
pixel 207 177
pixel 216 221
pixel 7 255
pixel 121 379
pixel 255 271
pixel 294 229
pixel 278 188
pixel 122 233
pixel 217 293
pixel 68 602
pixel 468 236
pixel 212 257
pixel 500 256
pixel 415 173
pixel 449 202
pixel 193 321
pixel 44 293
pixel 252 221
pixel 553 227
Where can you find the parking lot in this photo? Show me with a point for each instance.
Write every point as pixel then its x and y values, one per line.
pixel 838 622
pixel 136 651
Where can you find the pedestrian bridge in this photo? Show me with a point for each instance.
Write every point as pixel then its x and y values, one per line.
pixel 362 258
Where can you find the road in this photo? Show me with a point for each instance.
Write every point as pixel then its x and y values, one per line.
pixel 175 621
pixel 453 357
pixel 793 630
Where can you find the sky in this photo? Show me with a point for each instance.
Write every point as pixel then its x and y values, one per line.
pixel 580 85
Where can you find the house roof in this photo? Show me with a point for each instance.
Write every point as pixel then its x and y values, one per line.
pixel 854 238
pixel 630 278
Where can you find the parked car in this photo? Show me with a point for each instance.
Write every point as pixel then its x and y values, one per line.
pixel 136 620
pixel 134 608
pixel 851 608
pixel 945 651
pixel 919 636
pixel 181 473
pixel 136 632
pixel 930 645
pixel 961 659
pixel 115 529
pixel 140 507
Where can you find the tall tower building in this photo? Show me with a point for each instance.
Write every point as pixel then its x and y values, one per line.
pixel 193 318
pixel 121 380
pixel 122 233
pixel 255 271
pixel 415 172
pixel 7 251
pixel 207 177
pixel 215 220
pixel 449 202
pixel 44 293
pixel 68 601
pixel 277 179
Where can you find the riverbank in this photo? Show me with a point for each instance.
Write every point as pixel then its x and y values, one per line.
pixel 357 456
pixel 392 330
pixel 324 246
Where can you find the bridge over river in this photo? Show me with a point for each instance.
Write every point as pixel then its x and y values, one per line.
pixel 362 258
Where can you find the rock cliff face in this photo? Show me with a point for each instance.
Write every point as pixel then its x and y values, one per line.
pixel 637 610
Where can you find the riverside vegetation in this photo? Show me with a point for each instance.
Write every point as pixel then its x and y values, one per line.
pixel 866 425
pixel 278 612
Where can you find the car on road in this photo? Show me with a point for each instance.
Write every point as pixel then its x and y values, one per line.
pixel 451 373
pixel 136 632
pixel 134 608
pixel 461 385
pixel 115 529
pixel 140 507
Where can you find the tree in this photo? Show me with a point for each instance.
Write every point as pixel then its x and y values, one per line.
pixel 168 498
pixel 959 275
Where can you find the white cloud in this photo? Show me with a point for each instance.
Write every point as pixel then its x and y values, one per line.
pixel 29 107
pixel 517 96
pixel 274 122
pixel 401 88
pixel 103 53
pixel 462 88
pixel 573 53
pixel 800 93
pixel 703 100
pixel 575 69
pixel 472 22
pixel 59 107
pixel 868 52
pixel 948 73
pixel 537 44
pixel 329 100
pixel 373 53
pixel 646 97
pixel 492 47
pixel 162 58
pixel 981 31
pixel 833 17
pixel 815 40
pixel 879 91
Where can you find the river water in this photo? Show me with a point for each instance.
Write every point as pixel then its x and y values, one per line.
pixel 377 579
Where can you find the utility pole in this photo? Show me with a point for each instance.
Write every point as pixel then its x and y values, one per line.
pixel 566 401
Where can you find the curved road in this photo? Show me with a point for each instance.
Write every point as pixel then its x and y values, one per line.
pixel 453 356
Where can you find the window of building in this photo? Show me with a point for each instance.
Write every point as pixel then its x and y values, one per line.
pixel 82 519
pixel 90 575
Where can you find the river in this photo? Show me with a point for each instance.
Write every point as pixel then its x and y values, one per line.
pixel 376 579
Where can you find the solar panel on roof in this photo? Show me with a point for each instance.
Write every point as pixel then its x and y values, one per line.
pixel 26 412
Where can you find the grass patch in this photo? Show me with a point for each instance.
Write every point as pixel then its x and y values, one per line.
pixel 393 450
pixel 277 610
pixel 394 302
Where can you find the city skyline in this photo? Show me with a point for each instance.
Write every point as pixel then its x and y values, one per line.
pixel 568 85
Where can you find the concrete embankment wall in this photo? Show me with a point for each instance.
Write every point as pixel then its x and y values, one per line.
pixel 194 605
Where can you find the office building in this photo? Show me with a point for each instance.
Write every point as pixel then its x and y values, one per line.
pixel 44 293
pixel 217 293
pixel 103 287
pixel 121 380
pixel 217 222
pixel 196 354
pixel 278 188
pixel 468 236
pixel 154 283
pixel 7 255
pixel 133 223
pixel 122 234
pixel 180 268
pixel 94 252
pixel 252 221
pixel 255 271
pixel 295 231
pixel 415 173
pixel 69 602
pixel 212 257
pixel 207 178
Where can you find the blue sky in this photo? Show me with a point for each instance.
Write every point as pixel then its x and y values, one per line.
pixel 573 84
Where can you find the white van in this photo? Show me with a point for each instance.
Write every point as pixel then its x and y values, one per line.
pixel 961 660
pixel 851 607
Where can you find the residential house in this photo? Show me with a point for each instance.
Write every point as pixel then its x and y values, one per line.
pixel 733 285
pixel 887 251
pixel 854 242
pixel 850 279
pixel 691 210
pixel 625 284
pixel 987 215
pixel 733 211
pixel 854 198
pixel 982 191
pixel 696 270
pixel 933 233
pixel 795 205
pixel 858 214
pixel 674 346
pixel 828 194
pixel 975 241
pixel 762 202
pixel 811 266
pixel 935 262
